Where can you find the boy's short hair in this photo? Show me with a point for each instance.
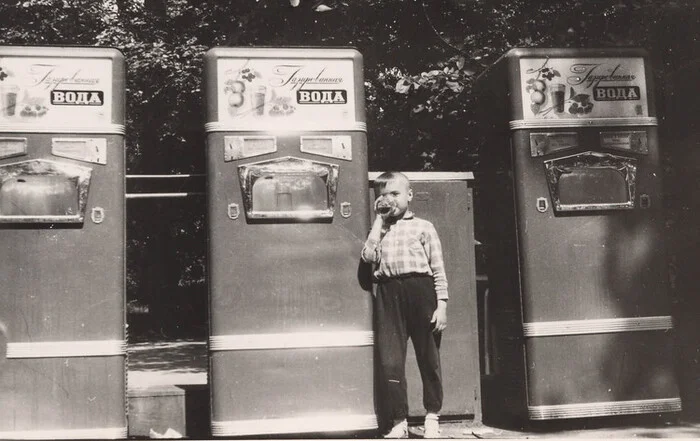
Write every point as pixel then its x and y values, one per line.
pixel 382 180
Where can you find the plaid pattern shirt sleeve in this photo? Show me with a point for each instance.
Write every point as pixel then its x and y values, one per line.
pixel 410 246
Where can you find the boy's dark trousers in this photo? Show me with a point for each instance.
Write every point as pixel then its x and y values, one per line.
pixel 403 309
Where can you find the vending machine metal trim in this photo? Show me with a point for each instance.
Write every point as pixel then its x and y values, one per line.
pixel 94 433
pixel 326 339
pixel 212 127
pixel 587 410
pixel 102 129
pixel 597 326
pixel 306 424
pixel 588 122
pixel 53 349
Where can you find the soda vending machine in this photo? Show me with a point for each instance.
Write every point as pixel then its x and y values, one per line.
pixel 291 340
pixel 62 234
pixel 579 308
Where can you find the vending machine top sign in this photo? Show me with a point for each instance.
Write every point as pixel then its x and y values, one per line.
pixel 555 88
pixel 576 87
pixel 268 89
pixel 60 89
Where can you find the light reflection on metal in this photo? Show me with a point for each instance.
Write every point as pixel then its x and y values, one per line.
pixel 41 191
pixel 587 168
pixel 271 189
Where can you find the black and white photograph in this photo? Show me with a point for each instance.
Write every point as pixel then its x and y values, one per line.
pixel 349 219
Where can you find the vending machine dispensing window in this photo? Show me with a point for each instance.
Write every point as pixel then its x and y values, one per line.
pixel 289 188
pixel 591 181
pixel 41 191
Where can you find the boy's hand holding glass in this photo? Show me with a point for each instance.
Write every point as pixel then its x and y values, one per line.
pixel 383 207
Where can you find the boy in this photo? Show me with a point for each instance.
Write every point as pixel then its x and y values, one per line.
pixel 411 301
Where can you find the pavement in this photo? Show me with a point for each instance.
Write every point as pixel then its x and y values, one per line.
pixel 184 362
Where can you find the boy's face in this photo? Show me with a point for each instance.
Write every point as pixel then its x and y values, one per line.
pixel 398 192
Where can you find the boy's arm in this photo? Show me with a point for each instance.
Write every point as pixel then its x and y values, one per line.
pixel 433 249
pixel 371 252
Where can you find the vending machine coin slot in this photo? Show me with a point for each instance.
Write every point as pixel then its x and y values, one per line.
pixel 11 147
pixel 240 147
pixel 542 205
pixel 631 141
pixel 550 142
pixel 339 146
pixel 81 149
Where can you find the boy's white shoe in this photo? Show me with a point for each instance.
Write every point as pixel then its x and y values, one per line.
pixel 400 430
pixel 432 426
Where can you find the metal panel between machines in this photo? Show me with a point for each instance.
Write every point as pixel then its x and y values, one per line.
pixel 62 230
pixel 578 283
pixel 291 342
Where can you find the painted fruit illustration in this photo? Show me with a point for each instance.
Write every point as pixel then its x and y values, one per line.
pixel 537 97
pixel 237 86
pixel 539 86
pixel 235 99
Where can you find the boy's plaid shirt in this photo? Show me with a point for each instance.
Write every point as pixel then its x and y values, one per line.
pixel 409 246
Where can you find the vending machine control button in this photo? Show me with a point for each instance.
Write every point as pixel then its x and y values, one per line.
pixel 644 201
pixel 345 209
pixel 233 211
pixel 97 215
pixel 542 205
